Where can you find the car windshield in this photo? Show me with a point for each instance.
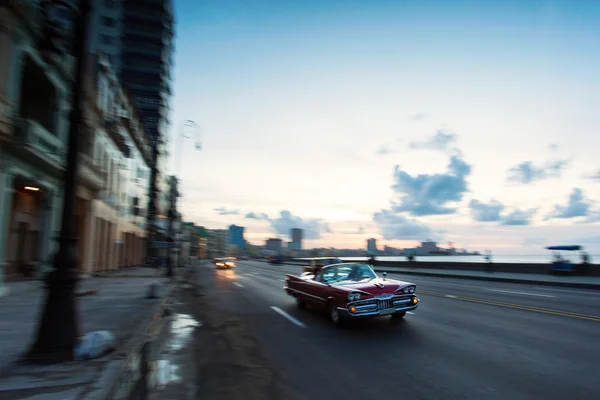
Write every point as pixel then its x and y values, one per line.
pixel 348 273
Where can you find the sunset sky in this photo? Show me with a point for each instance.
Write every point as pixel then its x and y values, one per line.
pixel 475 122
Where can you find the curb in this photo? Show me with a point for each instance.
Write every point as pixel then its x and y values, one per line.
pixel 577 285
pixel 119 381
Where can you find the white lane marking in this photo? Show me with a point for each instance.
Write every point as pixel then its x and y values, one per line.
pixel 238 284
pixel 451 296
pixel 410 312
pixel 582 292
pixel 288 316
pixel 255 273
pixel 523 293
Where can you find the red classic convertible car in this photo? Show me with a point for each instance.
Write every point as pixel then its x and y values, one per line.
pixel 352 290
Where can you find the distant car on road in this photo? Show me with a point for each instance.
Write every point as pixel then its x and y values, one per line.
pixel 224 263
pixel 275 260
pixel 352 291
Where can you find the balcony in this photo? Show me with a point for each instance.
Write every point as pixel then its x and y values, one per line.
pixel 36 144
pixel 89 175
pixel 6 123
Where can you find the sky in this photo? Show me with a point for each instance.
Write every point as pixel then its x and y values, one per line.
pixel 475 122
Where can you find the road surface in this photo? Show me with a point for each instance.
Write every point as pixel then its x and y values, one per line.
pixel 467 340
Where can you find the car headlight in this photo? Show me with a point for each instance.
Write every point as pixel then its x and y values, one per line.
pixel 409 289
pixel 354 296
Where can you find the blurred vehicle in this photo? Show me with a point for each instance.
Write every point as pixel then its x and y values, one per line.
pixel 226 262
pixel 243 258
pixel 352 291
pixel 315 264
pixel 276 260
pixel 561 263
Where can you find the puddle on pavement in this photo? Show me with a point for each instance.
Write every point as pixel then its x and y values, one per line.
pixel 182 326
pixel 163 373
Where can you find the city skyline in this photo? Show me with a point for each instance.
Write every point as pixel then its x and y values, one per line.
pixel 399 121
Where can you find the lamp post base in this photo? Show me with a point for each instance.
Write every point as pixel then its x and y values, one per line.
pixel 58 330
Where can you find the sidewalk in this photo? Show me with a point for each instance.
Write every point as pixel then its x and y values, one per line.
pixel 116 302
pixel 582 282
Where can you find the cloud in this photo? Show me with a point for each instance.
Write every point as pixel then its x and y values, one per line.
pixel 483 212
pixel 425 194
pixel 224 211
pixel 384 150
pixel 594 176
pixel 576 207
pixel 527 173
pixel 593 216
pixel 395 226
pixel 519 217
pixel 261 216
pixel 313 228
pixel 553 147
pixel 440 141
pixel 418 117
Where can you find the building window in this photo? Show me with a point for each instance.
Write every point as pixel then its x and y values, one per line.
pixel 107 39
pixel 107 21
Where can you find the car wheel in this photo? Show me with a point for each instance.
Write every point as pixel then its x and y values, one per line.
pixel 300 303
pixel 334 314
pixel 398 316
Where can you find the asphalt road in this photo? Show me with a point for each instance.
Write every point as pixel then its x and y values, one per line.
pixel 467 340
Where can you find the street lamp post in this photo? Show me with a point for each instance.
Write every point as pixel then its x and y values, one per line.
pixel 171 215
pixel 174 185
pixel 58 328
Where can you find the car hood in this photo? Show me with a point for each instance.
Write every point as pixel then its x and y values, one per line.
pixel 375 287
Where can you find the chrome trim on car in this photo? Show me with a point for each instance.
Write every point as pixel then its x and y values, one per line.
pixel 305 294
pixel 374 305
pixel 374 313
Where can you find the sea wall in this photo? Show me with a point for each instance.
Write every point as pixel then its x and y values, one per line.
pixel 523 268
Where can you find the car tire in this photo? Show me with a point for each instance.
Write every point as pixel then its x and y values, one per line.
pixel 300 303
pixel 398 316
pixel 334 314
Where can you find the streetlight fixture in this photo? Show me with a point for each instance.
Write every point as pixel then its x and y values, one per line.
pixel 189 130
pixel 58 328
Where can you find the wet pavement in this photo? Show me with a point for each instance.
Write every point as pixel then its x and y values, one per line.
pixel 174 369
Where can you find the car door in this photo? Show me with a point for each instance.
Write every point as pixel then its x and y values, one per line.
pixel 321 291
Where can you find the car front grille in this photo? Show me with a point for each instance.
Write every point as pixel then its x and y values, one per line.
pixel 383 304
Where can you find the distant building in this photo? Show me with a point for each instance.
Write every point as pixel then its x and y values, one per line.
pixel 275 245
pixel 236 236
pixel 372 246
pixel 217 243
pixel 296 234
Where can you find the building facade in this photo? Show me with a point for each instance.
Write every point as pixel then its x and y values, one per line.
pixel 372 246
pixel 35 90
pixel 137 37
pixel 122 152
pixel 217 243
pixel 296 234
pixel 275 245
pixel 236 237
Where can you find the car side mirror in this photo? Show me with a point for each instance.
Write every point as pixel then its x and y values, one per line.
pixel 384 274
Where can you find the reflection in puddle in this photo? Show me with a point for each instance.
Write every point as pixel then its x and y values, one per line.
pixel 163 373
pixel 227 274
pixel 182 327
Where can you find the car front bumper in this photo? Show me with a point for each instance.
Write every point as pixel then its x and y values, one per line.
pixel 370 312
